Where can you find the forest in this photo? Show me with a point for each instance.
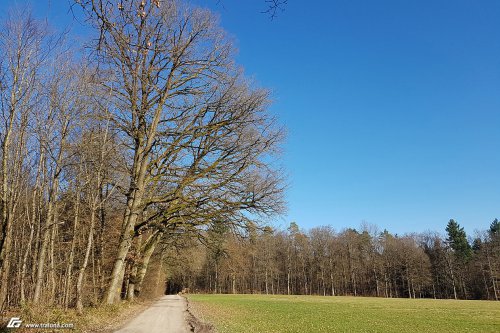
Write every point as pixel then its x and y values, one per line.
pixel 323 262
pixel 146 132
pixel 144 154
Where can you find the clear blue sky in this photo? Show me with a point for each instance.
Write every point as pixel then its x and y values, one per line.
pixel 392 107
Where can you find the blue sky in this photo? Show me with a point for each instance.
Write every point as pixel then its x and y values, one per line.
pixel 392 107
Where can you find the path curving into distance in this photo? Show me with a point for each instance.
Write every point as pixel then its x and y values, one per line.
pixel 166 315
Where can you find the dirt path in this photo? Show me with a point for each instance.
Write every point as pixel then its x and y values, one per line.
pixel 166 315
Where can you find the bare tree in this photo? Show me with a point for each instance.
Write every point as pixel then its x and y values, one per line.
pixel 95 151
pixel 22 42
pixel 192 126
pixel 60 115
pixel 157 139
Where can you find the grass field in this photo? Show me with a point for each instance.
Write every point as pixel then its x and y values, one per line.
pixel 262 313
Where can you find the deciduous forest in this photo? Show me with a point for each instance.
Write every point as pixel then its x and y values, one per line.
pixel 145 158
pixel 149 133
pixel 321 261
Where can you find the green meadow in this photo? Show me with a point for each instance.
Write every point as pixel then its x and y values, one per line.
pixel 266 313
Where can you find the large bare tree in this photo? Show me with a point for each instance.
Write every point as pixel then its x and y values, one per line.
pixel 195 131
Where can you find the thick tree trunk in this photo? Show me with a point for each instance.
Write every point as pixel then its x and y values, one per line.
pixel 132 279
pixel 132 276
pixel 130 218
pixel 132 212
pixel 147 251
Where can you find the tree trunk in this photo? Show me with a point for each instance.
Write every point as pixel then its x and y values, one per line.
pixel 69 268
pixel 266 283
pixel 33 220
pixel 408 280
pixel 288 283
pixel 52 271
pixel 132 282
pixel 492 275
pixel 4 259
pixel 81 273
pixel 130 218
pixel 233 284
pixel 376 282
pixel 147 251
pixel 24 265
pixel 485 283
pixel 45 239
pixel 100 247
pixel 6 222
pixel 448 261
pixel 51 213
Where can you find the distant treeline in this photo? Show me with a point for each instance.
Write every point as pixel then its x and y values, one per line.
pixel 321 261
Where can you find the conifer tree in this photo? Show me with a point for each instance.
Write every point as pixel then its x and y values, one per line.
pixel 457 239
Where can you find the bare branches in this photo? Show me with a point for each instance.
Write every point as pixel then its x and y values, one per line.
pixel 156 134
pixel 196 131
pixel 275 7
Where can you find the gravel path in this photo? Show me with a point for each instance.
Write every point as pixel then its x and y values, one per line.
pixel 166 315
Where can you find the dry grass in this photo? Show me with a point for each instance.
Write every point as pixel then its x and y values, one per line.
pixel 102 319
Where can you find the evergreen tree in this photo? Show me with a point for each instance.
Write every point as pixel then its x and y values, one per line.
pixel 494 229
pixel 457 239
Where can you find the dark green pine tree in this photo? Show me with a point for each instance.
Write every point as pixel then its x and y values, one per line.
pixel 457 239
pixel 495 229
